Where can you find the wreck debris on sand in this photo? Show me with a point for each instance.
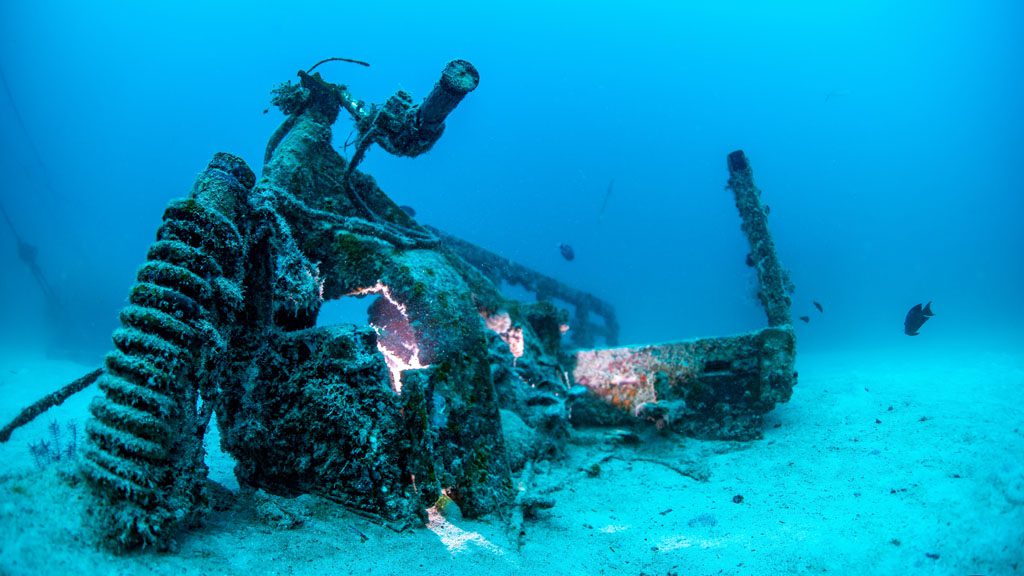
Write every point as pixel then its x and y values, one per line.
pixel 384 418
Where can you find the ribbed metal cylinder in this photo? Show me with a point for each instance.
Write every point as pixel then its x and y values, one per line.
pixel 144 448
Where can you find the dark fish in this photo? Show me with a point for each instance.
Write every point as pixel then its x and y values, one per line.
pixel 750 260
pixel 767 209
pixel 805 318
pixel 916 318
pixel 408 210
pixel 818 306
pixel 567 252
pixel 265 110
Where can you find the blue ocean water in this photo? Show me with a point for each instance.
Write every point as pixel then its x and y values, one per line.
pixel 886 137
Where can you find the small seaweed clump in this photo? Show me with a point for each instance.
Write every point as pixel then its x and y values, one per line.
pixel 59 446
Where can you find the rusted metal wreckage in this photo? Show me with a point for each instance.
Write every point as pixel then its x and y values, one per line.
pixel 385 417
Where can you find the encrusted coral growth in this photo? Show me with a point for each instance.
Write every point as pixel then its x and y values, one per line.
pixel 709 387
pixel 321 418
pixel 144 454
pixel 315 217
pixel 529 378
pixel 774 284
pixel 223 318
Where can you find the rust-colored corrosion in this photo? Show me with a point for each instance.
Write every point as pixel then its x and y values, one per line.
pixel 709 387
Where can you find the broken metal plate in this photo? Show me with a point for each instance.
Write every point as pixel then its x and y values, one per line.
pixel 708 387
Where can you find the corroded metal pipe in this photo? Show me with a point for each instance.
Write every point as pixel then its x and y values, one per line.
pixel 774 283
pixel 458 79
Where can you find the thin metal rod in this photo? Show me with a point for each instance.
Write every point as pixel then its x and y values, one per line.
pixel 325 60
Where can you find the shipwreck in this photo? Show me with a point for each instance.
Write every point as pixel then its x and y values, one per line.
pixel 387 416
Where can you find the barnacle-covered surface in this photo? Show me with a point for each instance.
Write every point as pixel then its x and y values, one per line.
pixel 144 455
pixel 710 387
pixel 321 418
pixel 347 238
pixel 774 284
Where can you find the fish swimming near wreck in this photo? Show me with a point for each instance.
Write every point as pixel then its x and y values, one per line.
pixel 806 319
pixel 916 318
pixel 818 306
pixel 567 252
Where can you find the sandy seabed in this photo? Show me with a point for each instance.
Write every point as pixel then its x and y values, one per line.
pixel 882 463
